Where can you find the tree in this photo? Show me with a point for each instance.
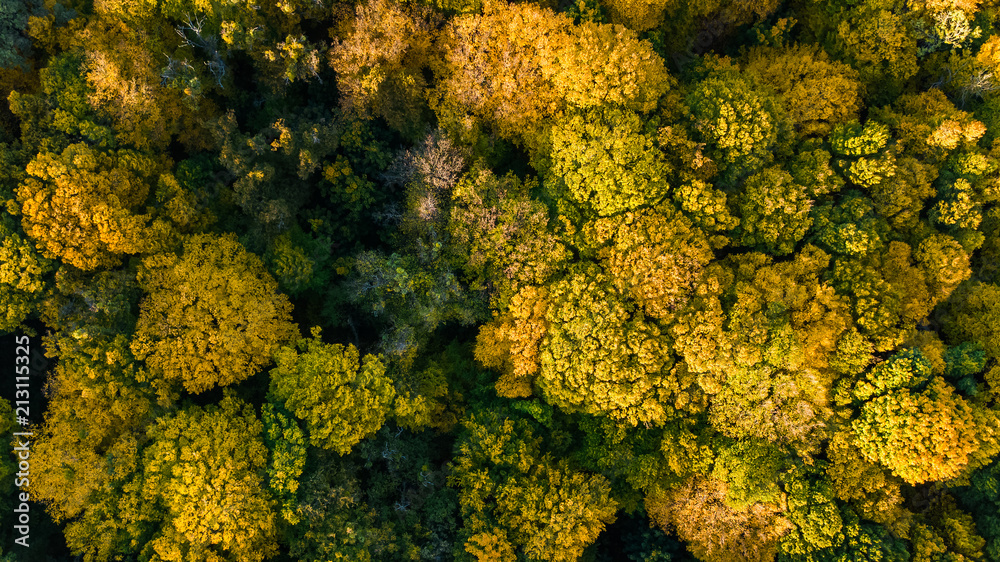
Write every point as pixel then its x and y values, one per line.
pixel 22 273
pixel 212 314
pixel 341 398
pixel 750 470
pixel 817 93
pixel 716 532
pixel 492 70
pixel 813 510
pixel 874 38
pixel 126 86
pixel 981 495
pixel 60 115
pixel 889 292
pixel 205 471
pixel 379 62
pixel 87 454
pixel 554 512
pixel 900 196
pixel 513 496
pixel 596 357
pixel 929 126
pixel 850 227
pixel 510 342
pixel 13 21
pixel 774 211
pixel 760 337
pixel 974 315
pixel 639 16
pixel 271 167
pixel 596 65
pixel 905 369
pixel 411 295
pixel 502 236
pixel 739 124
pixel 862 158
pixel 925 436
pixel 873 492
pixel 948 532
pixel 81 204
pixel 603 162
pixel 653 256
pixel 286 445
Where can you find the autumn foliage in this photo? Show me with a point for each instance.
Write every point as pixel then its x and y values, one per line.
pixel 485 280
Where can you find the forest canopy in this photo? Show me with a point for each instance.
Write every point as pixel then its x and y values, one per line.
pixel 491 280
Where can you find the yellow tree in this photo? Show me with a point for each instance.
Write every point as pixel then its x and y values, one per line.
pixel 205 471
pixel 816 92
pixel 595 65
pixel 87 451
pixel 654 256
pixel 602 162
pixel 81 205
pixel 514 498
pixel 492 67
pixel 760 336
pixel 212 315
pixel 715 532
pixel 342 398
pixel 22 273
pixel 510 341
pixel 379 62
pixel 870 488
pixel 925 436
pixel 598 357
pixel 124 75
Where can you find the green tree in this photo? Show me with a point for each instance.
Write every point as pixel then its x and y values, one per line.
pixel 889 291
pixel 60 115
pixel 211 316
pixel 341 397
pixel 982 497
pixel 850 227
pixel 271 167
pixel 750 470
pixel 974 315
pixel 874 37
pixel 286 445
pixel 813 510
pixel 13 21
pixel 501 235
